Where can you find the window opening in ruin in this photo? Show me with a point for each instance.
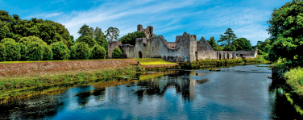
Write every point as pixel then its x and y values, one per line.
pixel 140 54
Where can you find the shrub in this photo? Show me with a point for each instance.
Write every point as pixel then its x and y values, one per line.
pixel 12 49
pixel 2 52
pixel 60 51
pixel 98 52
pixel 35 51
pixel 23 51
pixel 89 40
pixel 30 39
pixel 117 53
pixel 80 51
pixel 47 53
pixel 7 40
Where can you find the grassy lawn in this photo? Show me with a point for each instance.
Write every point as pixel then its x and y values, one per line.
pixel 153 61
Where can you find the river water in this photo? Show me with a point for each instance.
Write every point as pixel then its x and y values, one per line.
pixel 239 92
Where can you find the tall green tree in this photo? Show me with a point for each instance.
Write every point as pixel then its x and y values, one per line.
pixel 227 39
pixel 242 44
pixel 214 45
pixel 85 31
pixel 286 26
pixel 112 33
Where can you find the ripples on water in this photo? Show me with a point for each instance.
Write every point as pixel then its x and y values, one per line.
pixel 240 92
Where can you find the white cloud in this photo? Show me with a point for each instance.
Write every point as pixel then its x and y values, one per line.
pixel 130 14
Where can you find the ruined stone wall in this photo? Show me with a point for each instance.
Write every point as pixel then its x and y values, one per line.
pixel 184 49
pixel 207 54
pixel 148 31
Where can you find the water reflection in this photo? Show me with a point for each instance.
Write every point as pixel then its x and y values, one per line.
pixel 240 92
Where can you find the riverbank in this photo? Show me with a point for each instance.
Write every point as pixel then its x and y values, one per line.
pixel 37 74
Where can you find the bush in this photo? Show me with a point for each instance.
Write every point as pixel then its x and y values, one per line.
pixel 30 39
pixel 23 51
pixel 98 52
pixel 80 51
pixel 7 40
pixel 60 51
pixel 35 51
pixel 117 53
pixel 89 40
pixel 2 52
pixel 47 53
pixel 12 49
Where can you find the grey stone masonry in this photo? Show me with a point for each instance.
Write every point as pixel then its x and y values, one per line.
pixel 186 48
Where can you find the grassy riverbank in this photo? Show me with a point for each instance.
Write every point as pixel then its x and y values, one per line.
pixel 69 77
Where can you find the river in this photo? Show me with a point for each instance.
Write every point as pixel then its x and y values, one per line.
pixel 238 92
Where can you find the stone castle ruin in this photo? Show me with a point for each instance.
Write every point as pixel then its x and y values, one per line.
pixel 186 48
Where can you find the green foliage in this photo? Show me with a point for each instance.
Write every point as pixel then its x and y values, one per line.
pixel 12 49
pixel 89 40
pixel 35 51
pixel 214 45
pixel 112 33
pixel 80 51
pixel 7 40
pixel 85 31
pixel 60 51
pixel 4 30
pixel 242 44
pixel 117 53
pixel 30 39
pixel 48 31
pixel 286 26
pixel 263 47
pixel 30 53
pixel 23 51
pixel 229 48
pixel 101 40
pixel 47 53
pixel 2 52
pixel 130 38
pixel 98 52
pixel 227 39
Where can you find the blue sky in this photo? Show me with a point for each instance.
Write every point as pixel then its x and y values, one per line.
pixel 247 18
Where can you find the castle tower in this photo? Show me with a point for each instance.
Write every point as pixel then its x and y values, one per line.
pixel 139 27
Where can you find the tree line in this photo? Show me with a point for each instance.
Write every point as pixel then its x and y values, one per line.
pixel 38 39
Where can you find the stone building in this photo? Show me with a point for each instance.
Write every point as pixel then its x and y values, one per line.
pixel 186 48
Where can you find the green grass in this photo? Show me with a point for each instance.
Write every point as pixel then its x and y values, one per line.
pixel 152 61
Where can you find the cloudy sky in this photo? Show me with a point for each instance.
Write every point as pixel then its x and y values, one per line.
pixel 247 18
